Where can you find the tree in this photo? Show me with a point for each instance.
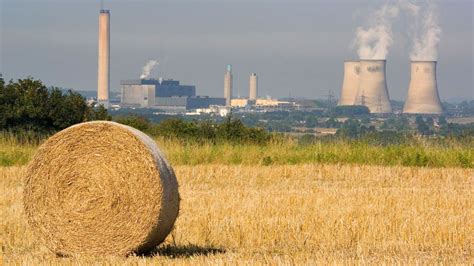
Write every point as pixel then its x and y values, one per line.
pixel 138 122
pixel 351 128
pixel 311 121
pixel 99 113
pixel 422 126
pixel 442 121
pixel 350 110
pixel 28 105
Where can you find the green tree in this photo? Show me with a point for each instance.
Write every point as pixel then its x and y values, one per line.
pixel 422 126
pixel 27 105
pixel 99 113
pixel 138 122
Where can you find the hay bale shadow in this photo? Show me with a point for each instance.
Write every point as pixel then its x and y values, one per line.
pixel 186 251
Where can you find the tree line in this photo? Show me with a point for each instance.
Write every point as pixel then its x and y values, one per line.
pixel 231 130
pixel 27 105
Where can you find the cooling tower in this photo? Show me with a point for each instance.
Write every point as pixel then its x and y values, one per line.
pixel 103 80
pixel 372 90
pixel 423 97
pixel 253 83
pixel 228 80
pixel 350 83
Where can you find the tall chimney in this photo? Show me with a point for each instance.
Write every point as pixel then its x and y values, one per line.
pixel 228 80
pixel 253 86
pixel 373 91
pixel 103 80
pixel 423 96
pixel 350 83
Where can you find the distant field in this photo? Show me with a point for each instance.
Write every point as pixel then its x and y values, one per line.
pixel 290 153
pixel 304 214
pixel 461 120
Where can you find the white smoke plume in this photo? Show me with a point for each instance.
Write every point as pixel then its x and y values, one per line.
pixel 147 68
pixel 427 34
pixel 374 41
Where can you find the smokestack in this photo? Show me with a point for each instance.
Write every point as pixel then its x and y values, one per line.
pixel 373 91
pixel 350 83
pixel 423 96
pixel 228 80
pixel 253 83
pixel 103 80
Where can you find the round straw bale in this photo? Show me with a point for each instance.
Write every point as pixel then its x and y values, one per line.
pixel 100 188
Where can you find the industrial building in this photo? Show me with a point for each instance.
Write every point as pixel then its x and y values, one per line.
pixel 187 103
pixel 262 103
pixel 163 94
pixel 103 73
pixel 350 83
pixel 423 96
pixel 373 91
pixel 240 102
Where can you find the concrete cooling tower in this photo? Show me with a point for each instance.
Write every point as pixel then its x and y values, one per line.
pixel 350 83
pixel 423 97
pixel 373 91
pixel 253 83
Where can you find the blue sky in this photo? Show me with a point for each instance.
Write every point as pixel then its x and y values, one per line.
pixel 296 47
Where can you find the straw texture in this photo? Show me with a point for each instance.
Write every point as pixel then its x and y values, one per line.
pixel 100 188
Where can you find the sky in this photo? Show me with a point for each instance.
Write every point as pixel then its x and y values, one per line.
pixel 297 48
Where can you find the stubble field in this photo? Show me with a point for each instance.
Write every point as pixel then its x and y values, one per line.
pixel 299 214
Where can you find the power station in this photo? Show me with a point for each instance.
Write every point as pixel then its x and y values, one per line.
pixel 373 91
pixel 350 83
pixel 228 83
pixel 364 83
pixel 163 94
pixel 253 87
pixel 103 73
pixel 423 96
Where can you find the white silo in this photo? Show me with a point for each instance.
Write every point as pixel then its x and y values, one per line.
pixel 103 73
pixel 423 96
pixel 228 80
pixel 253 86
pixel 373 91
pixel 350 83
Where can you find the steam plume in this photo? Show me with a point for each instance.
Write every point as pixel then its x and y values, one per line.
pixel 427 35
pixel 374 41
pixel 146 70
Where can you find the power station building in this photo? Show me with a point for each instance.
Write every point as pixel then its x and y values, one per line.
pixel 163 94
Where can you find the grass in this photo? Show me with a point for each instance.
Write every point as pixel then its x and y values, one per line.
pixel 14 153
pixel 290 214
pixel 286 152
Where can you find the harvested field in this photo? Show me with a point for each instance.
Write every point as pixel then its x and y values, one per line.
pixel 301 214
